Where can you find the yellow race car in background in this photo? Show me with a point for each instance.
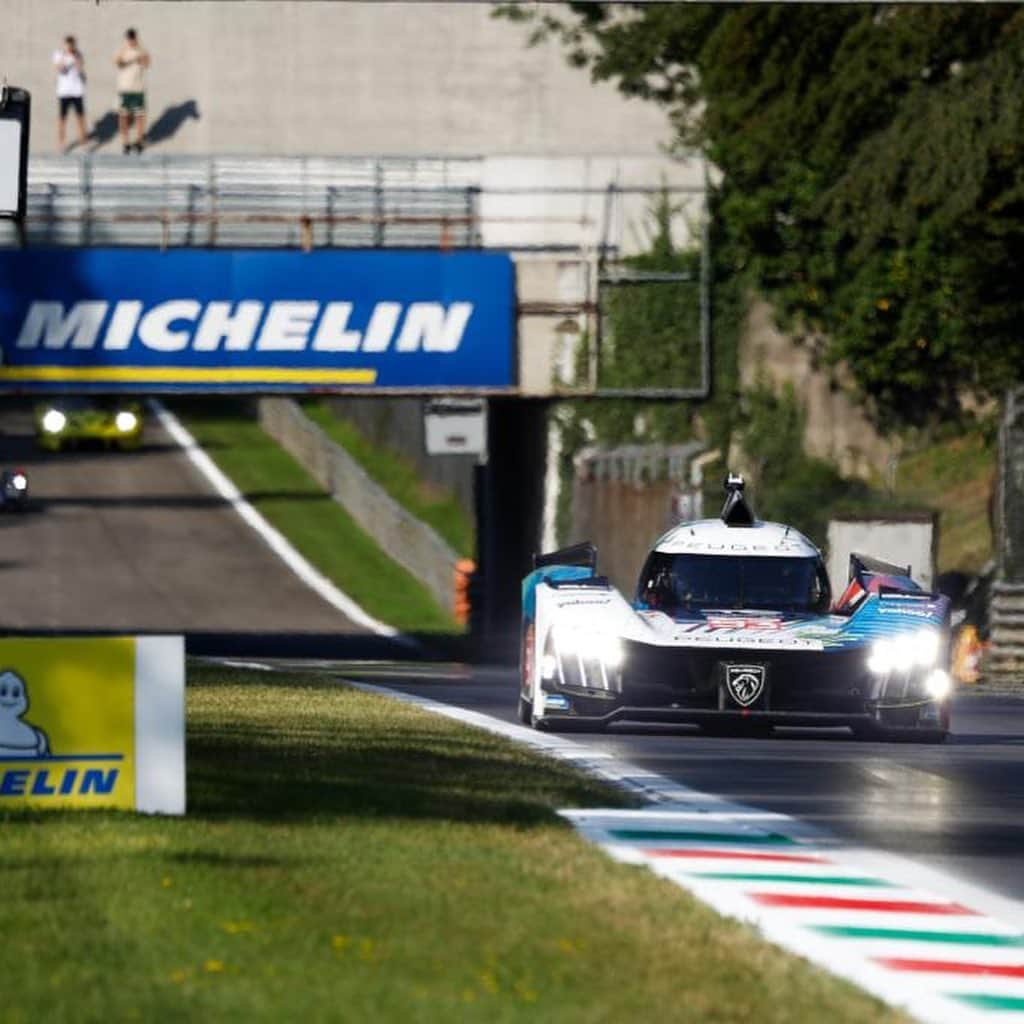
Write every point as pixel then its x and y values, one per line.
pixel 69 421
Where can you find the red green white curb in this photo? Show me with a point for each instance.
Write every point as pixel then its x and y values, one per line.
pixel 943 950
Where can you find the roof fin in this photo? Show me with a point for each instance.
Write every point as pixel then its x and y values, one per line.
pixel 736 511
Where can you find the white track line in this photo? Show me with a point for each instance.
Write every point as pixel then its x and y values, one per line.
pixel 312 577
pixel 673 804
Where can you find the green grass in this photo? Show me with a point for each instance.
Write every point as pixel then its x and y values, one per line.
pixel 312 521
pixel 347 858
pixel 434 505
pixel 956 478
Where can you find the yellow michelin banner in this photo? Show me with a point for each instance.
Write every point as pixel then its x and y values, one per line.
pixel 93 722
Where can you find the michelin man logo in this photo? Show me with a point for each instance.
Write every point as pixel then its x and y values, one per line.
pixel 18 738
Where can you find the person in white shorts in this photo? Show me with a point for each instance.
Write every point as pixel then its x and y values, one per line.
pixel 70 65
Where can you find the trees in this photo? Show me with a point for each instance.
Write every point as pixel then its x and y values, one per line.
pixel 872 182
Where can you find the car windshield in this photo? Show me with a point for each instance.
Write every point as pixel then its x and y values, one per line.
pixel 671 583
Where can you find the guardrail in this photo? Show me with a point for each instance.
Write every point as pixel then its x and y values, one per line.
pixel 301 228
pixel 165 200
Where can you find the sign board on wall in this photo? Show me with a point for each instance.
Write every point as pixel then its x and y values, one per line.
pixel 15 108
pixel 93 722
pixel 282 320
pixel 909 538
pixel 10 162
pixel 454 426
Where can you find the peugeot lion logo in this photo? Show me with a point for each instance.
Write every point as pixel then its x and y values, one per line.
pixel 745 683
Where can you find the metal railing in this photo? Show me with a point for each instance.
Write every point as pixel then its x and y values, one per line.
pixel 268 202
pixel 312 202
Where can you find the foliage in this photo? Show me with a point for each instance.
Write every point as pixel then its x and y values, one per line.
pixel 652 340
pixel 956 477
pixel 872 181
pixel 790 486
pixel 668 326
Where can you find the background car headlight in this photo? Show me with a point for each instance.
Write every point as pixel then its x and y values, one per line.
pixel 54 421
pixel 126 421
pixel 20 481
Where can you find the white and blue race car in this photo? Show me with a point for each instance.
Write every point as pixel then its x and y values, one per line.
pixel 733 627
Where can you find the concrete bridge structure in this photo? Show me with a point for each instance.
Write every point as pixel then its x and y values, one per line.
pixel 285 76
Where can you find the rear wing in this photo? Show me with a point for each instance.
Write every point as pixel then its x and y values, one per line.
pixel 584 555
pixel 865 564
pixel 879 577
pixel 873 576
pixel 574 566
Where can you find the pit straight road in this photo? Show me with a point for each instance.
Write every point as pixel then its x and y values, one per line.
pixel 138 541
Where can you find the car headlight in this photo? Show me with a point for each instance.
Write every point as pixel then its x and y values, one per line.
pixel 610 650
pixel 904 652
pixel 938 684
pixel 54 421
pixel 586 643
pixel 126 421
pixel 19 481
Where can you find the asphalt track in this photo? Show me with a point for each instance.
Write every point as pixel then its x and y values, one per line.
pixel 958 806
pixel 139 542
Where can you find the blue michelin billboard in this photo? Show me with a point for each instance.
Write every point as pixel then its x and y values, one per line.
pixel 142 319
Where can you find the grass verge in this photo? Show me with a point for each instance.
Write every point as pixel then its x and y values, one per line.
pixel 350 858
pixel 316 525
pixel 433 505
pixel 955 477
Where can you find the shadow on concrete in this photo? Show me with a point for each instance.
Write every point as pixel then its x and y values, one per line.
pixel 103 130
pixel 170 121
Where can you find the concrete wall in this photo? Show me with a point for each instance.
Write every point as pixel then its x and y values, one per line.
pixel 269 76
pixel 397 423
pixel 624 520
pixel 838 429
pixel 411 543
pixel 910 541
pixel 625 498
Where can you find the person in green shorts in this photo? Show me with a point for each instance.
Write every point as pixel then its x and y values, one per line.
pixel 132 62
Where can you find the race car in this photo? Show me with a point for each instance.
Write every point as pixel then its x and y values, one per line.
pixel 69 421
pixel 732 627
pixel 13 490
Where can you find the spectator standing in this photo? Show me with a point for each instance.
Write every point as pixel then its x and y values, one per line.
pixel 131 61
pixel 70 65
